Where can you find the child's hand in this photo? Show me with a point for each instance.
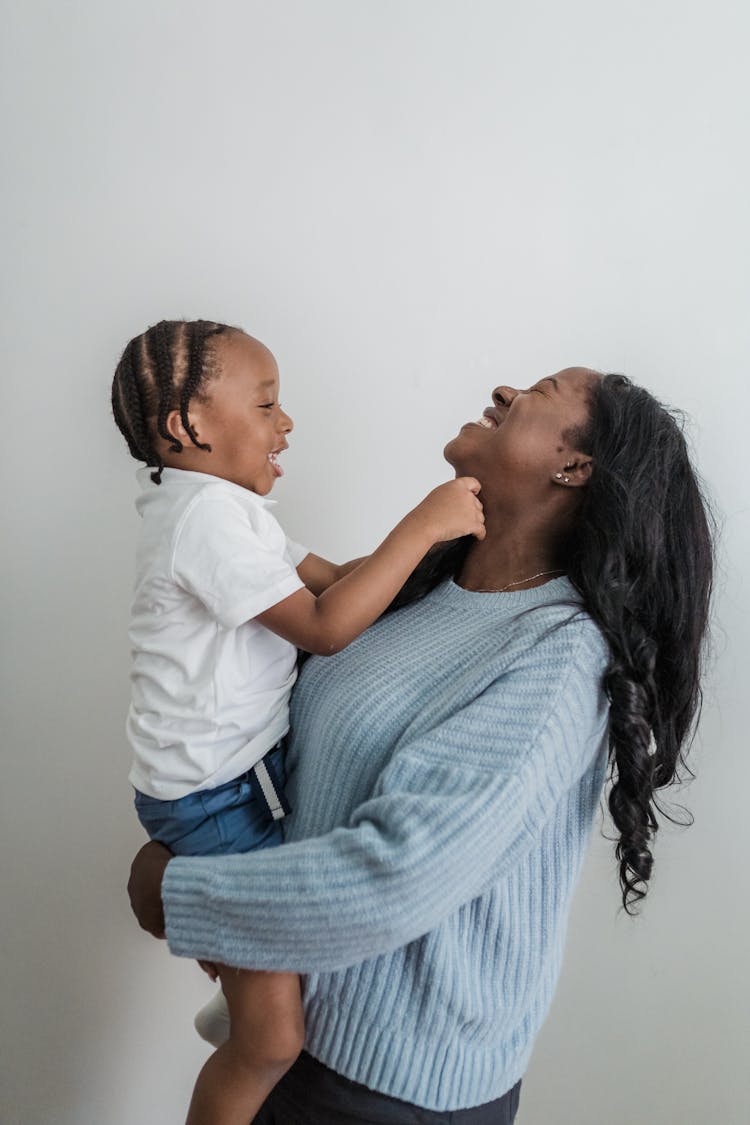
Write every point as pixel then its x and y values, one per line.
pixel 452 510
pixel 211 968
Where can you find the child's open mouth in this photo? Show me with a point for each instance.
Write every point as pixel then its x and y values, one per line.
pixel 273 458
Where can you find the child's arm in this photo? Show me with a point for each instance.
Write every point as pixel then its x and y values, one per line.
pixel 326 624
pixel 318 574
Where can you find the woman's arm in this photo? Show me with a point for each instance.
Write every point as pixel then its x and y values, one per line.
pixel 451 814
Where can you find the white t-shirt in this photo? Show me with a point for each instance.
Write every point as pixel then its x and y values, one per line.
pixel 210 686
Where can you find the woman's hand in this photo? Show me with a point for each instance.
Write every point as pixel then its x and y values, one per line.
pixel 144 887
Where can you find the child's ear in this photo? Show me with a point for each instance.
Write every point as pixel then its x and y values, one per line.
pixel 175 428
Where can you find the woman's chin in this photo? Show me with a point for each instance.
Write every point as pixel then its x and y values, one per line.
pixel 453 455
pixel 448 451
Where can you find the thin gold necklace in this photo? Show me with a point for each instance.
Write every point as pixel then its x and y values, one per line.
pixel 520 582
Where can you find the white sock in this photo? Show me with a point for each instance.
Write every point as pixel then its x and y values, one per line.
pixel 212 1021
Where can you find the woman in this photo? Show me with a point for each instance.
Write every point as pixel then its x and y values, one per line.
pixel 448 765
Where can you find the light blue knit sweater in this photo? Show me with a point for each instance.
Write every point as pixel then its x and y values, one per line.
pixel 447 767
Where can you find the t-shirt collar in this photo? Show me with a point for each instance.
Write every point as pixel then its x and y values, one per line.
pixel 188 477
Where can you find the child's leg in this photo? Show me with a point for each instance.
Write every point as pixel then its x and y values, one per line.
pixel 266 1036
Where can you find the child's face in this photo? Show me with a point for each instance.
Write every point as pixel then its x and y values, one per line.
pixel 242 419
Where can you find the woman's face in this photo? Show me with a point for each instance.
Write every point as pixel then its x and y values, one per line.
pixel 526 437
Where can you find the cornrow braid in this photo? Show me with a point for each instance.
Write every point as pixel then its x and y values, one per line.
pixel 127 406
pixel 198 332
pixel 157 342
pixel 161 370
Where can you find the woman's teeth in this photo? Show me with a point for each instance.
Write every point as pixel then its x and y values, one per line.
pixel 273 458
pixel 487 423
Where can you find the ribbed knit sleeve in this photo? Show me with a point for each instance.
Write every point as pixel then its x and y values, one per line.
pixel 455 807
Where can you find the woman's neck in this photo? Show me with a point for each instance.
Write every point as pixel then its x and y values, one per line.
pixel 519 561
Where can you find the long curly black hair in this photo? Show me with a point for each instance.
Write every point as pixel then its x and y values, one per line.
pixel 641 556
pixel 161 370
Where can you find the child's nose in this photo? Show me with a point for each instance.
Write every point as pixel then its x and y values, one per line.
pixel 287 424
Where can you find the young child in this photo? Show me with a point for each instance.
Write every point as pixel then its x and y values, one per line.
pixel 222 602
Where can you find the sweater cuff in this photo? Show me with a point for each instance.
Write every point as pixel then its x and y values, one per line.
pixel 186 892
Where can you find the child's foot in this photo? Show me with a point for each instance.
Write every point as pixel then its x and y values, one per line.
pixel 212 1021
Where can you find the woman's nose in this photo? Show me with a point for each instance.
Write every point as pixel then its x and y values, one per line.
pixel 504 396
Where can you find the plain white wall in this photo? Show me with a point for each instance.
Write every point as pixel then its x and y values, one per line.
pixel 409 202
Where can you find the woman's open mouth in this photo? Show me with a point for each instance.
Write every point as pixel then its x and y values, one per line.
pixel 488 421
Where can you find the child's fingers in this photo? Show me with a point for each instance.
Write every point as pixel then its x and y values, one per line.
pixel 474 486
pixel 471 483
pixel 210 968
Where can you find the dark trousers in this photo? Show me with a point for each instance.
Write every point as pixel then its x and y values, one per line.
pixel 311 1094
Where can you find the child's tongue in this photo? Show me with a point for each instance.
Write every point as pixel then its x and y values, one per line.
pixel 278 471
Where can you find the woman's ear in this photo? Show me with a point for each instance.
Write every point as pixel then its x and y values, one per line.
pixel 575 472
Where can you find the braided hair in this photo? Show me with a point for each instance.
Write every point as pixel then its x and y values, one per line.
pixel 641 556
pixel 161 370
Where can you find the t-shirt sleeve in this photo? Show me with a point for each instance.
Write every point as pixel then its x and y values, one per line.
pixel 296 553
pixel 450 815
pixel 235 562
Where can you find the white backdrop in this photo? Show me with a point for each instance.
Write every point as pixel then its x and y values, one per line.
pixel 409 202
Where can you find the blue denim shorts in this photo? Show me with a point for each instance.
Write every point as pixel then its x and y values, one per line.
pixel 231 818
